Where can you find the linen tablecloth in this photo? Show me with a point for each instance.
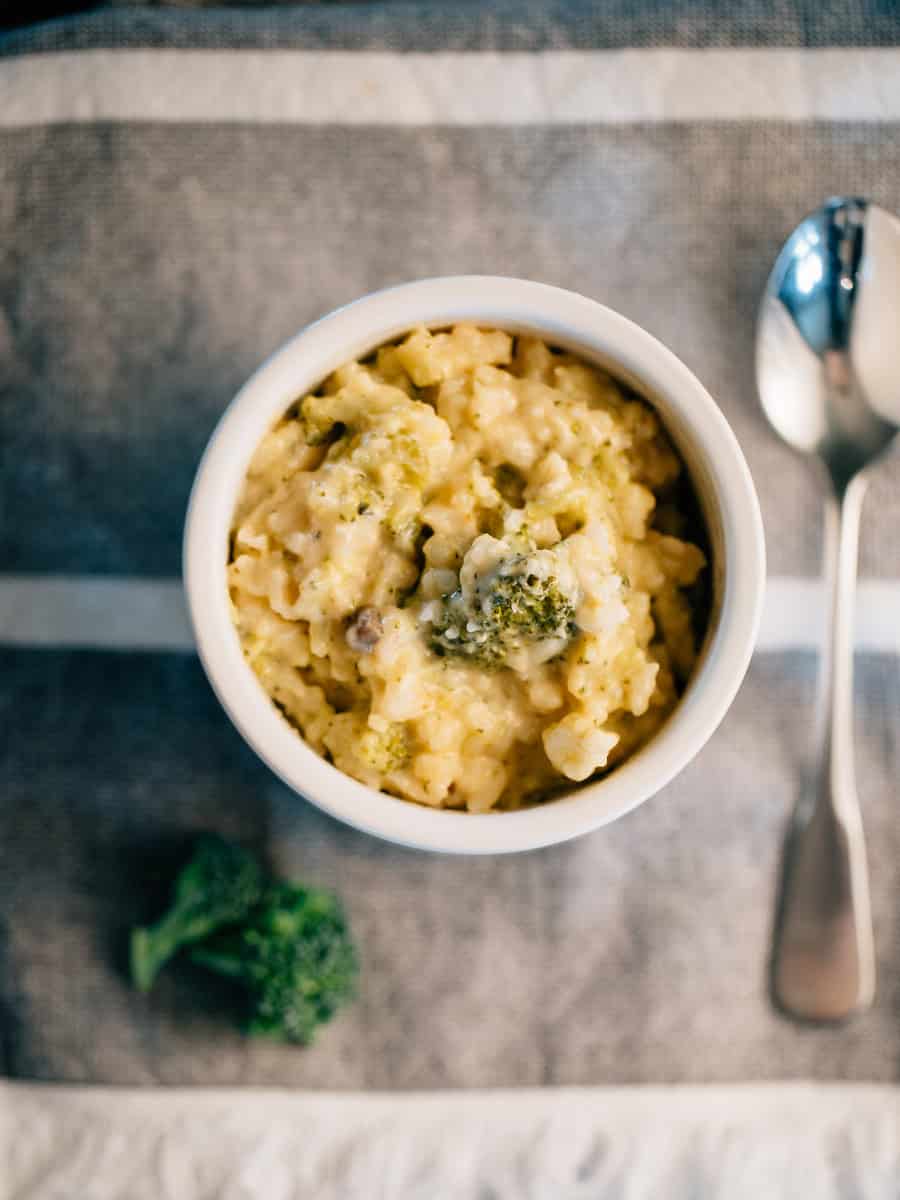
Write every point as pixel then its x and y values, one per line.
pixel 180 192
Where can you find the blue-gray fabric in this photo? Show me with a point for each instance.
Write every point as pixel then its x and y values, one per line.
pixel 144 271
pixel 524 25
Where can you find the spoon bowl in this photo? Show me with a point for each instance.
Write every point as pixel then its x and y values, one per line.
pixel 827 342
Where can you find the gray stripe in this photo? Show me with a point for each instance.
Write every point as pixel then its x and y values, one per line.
pixel 497 25
pixel 635 955
pixel 188 253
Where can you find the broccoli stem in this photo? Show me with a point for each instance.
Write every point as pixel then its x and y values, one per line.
pixel 218 887
pixel 151 949
pixel 152 946
pixel 219 961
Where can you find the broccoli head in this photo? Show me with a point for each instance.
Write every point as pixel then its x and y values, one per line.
pixel 295 958
pixel 218 887
pixel 506 602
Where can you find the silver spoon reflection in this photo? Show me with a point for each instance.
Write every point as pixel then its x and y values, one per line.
pixel 828 372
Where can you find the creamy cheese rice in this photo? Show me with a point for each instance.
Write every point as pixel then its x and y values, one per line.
pixel 460 570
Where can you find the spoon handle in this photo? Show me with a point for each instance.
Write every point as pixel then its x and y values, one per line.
pixel 824 965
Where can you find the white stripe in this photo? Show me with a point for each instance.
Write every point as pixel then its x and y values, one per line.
pixel 474 88
pixel 94 612
pixel 794 615
pixel 97 612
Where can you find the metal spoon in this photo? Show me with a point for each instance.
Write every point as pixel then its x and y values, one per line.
pixel 828 372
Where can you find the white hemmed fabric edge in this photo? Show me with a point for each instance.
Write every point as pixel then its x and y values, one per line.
pixel 778 1141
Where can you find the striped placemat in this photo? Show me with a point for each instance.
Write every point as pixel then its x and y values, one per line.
pixel 179 192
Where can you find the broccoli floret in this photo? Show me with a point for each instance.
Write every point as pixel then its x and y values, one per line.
pixel 527 606
pixel 295 958
pixel 219 886
pixel 385 750
pixel 288 945
pixel 519 603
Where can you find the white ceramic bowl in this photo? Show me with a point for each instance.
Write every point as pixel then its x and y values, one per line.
pixel 705 441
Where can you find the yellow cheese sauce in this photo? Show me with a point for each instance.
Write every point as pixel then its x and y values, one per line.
pixel 453 568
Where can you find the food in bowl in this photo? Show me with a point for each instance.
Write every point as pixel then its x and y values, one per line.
pixel 466 569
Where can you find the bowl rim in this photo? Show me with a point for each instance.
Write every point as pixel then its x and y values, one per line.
pixel 596 332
